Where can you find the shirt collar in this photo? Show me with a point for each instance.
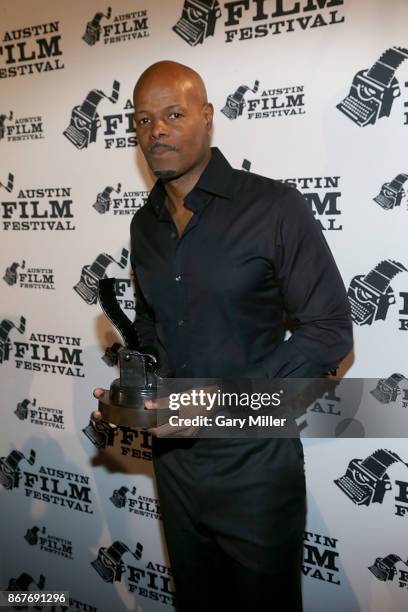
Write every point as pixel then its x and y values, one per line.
pixel 216 179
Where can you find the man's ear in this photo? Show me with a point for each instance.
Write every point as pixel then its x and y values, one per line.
pixel 208 112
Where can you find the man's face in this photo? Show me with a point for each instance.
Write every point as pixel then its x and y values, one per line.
pixel 172 126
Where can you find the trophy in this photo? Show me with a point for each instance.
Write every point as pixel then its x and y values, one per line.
pixel 123 404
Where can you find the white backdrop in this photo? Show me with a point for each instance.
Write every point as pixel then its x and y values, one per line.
pixel 304 55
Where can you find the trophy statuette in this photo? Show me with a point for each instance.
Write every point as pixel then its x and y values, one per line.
pixel 123 403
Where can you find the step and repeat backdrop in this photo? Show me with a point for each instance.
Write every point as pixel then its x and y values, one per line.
pixel 310 92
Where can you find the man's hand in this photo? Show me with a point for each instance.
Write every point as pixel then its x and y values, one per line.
pixel 96 415
pixel 162 403
pixel 149 405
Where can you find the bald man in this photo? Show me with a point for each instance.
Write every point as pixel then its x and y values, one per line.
pixel 220 257
pixel 181 92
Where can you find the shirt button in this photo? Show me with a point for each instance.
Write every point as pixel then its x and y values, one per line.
pixel 183 366
pixel 173 235
pixel 180 322
pixel 178 278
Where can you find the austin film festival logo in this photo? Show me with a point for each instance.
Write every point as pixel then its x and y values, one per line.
pixel 31 50
pixel 392 389
pixel 322 193
pixel 29 410
pixel 49 484
pixel 391 568
pixel 116 201
pixel 118 129
pixel 116 28
pixel 373 90
pixel 247 19
pixel 144 578
pixel 393 192
pixel 19 129
pixel 48 353
pixel 38 536
pixel 321 558
pixel 366 481
pixel 278 102
pixel 87 286
pixel 132 443
pixel 38 209
pixel 141 505
pixel 370 295
pixel 29 278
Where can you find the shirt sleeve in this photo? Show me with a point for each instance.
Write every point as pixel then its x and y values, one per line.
pixel 144 322
pixel 313 295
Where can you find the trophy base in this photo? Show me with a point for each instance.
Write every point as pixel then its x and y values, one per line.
pixel 126 416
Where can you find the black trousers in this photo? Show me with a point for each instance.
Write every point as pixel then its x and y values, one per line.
pixel 234 518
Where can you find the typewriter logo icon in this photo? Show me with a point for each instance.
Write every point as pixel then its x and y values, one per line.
pixel 32 535
pixel 118 498
pixel 366 480
pixel 234 106
pixel 10 276
pixel 10 183
pixel 100 433
pixel 109 563
pixel 370 296
pixel 21 411
pixel 373 91
pixel 388 389
pixel 103 199
pixel 10 473
pixel 384 568
pixel 5 327
pixel 87 287
pixel 3 119
pixel 85 120
pixel 392 193
pixel 93 27
pixel 197 21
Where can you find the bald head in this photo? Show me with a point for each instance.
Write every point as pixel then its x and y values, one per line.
pixel 173 118
pixel 167 73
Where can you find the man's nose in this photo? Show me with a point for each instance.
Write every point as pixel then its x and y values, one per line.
pixel 158 129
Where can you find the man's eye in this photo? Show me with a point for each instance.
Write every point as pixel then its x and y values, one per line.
pixel 175 115
pixel 142 121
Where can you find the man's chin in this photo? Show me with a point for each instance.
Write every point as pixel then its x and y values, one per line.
pixel 166 174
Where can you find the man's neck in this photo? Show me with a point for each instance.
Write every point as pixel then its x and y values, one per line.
pixel 177 189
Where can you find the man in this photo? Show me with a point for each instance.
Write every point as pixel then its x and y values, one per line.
pixel 220 257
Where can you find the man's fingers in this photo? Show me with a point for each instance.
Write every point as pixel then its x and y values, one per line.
pixel 151 405
pixel 97 416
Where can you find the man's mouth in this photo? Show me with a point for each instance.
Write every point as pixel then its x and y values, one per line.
pixel 161 150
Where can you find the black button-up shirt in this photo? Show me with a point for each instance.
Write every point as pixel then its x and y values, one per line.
pixel 214 302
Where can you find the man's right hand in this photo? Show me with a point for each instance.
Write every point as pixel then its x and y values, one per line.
pixel 96 415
